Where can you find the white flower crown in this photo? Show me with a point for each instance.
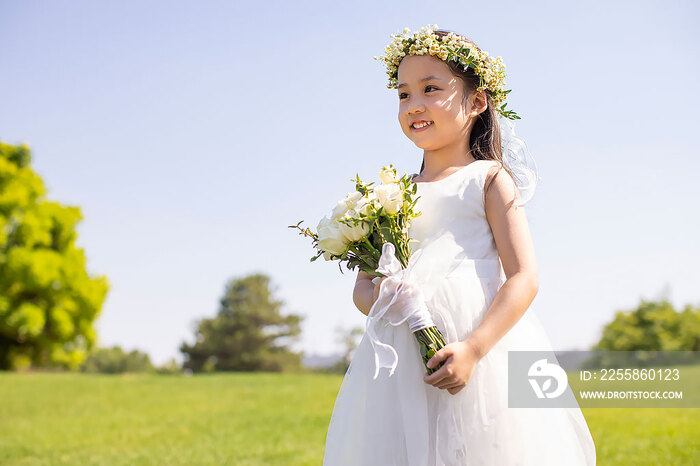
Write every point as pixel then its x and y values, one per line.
pixel 491 71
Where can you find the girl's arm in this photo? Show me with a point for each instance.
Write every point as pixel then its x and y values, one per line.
pixel 365 293
pixel 512 236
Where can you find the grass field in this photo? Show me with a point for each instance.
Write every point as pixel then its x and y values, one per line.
pixel 245 419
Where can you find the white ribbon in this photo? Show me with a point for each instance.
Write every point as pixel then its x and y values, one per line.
pixel 400 299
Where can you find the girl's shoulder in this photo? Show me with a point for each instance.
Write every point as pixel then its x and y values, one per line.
pixel 492 170
pixel 500 178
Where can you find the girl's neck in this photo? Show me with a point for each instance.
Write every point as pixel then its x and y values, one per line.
pixel 441 160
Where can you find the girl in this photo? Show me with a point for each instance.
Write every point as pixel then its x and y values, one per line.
pixel 450 95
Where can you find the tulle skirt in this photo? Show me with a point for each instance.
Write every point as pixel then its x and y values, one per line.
pixel 401 420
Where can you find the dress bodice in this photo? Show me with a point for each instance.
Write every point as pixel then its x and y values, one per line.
pixel 455 206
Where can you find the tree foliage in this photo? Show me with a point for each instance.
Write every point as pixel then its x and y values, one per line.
pixel 653 326
pixel 48 302
pixel 115 360
pixel 247 334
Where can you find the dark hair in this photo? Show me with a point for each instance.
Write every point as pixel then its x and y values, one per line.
pixel 485 135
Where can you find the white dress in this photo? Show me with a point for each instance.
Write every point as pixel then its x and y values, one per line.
pixel 400 419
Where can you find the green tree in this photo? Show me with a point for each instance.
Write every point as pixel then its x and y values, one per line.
pixel 115 361
pixel 170 367
pixel 653 326
pixel 654 334
pixel 48 303
pixel 247 334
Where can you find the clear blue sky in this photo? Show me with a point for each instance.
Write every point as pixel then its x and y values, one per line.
pixel 192 134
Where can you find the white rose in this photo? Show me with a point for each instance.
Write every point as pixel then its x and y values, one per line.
pixel 374 200
pixel 339 210
pixel 352 198
pixel 370 199
pixel 390 197
pixel 346 204
pixel 388 175
pixel 354 232
pixel 362 206
pixel 330 238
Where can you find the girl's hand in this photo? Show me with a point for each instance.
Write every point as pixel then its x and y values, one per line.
pixel 461 359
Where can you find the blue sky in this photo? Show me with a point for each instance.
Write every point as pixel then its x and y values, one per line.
pixel 192 134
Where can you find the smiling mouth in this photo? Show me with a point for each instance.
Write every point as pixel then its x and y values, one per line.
pixel 421 125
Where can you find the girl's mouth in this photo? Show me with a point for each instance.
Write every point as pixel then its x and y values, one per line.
pixel 422 126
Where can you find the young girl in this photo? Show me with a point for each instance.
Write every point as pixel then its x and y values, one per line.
pixel 471 202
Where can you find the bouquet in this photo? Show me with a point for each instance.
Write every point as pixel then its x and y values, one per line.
pixel 369 229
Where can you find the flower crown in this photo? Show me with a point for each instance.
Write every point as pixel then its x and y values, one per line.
pixel 491 71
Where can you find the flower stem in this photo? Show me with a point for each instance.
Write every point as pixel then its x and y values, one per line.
pixel 371 248
pixel 430 340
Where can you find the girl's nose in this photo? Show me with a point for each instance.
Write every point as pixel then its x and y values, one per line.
pixel 415 106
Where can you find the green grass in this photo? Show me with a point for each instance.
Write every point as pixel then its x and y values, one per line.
pixel 645 436
pixel 245 419
pixel 241 419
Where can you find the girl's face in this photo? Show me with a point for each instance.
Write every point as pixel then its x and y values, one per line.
pixel 429 92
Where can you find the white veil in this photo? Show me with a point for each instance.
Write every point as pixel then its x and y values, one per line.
pixel 517 158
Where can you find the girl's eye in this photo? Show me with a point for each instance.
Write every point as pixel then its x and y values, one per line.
pixel 426 88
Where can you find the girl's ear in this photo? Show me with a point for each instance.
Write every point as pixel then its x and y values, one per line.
pixel 480 102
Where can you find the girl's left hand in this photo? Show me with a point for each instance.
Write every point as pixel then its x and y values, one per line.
pixel 460 360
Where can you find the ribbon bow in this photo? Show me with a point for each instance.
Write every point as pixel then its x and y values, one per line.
pixel 400 299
